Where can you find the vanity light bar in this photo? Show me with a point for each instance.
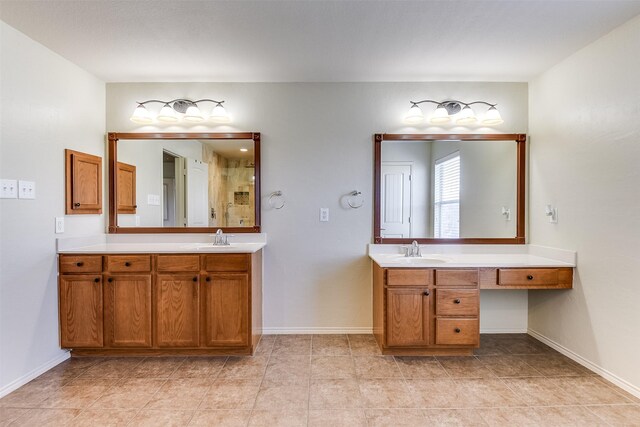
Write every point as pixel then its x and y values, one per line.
pixel 449 109
pixel 176 109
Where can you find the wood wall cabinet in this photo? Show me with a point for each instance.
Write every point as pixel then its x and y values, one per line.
pixel 83 183
pixel 127 203
pixel 161 303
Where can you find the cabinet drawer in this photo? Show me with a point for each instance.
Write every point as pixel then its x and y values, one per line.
pixel 457 331
pixel 178 263
pixel 409 277
pixel 457 302
pixel 80 263
pixel 128 263
pixel 527 276
pixel 457 277
pixel 226 262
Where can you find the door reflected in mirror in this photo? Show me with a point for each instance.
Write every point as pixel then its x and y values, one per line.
pixel 189 183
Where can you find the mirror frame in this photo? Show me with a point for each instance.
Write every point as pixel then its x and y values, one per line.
pixel 114 137
pixel 521 141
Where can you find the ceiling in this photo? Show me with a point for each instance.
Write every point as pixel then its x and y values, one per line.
pixel 316 41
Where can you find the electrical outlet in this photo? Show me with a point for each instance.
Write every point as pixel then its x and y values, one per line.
pixel 59 224
pixel 324 214
pixel 26 189
pixel 8 189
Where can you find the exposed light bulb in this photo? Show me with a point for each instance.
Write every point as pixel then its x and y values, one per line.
pixel 492 117
pixel 441 115
pixel 414 115
pixel 466 116
pixel 244 150
pixel 193 114
pixel 141 115
pixel 167 114
pixel 219 114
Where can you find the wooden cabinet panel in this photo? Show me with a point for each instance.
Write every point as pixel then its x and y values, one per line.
pixel 226 310
pixel 409 277
pixel 80 263
pixel 457 277
pixel 177 310
pixel 178 263
pixel 527 276
pixel 226 262
pixel 407 317
pixel 128 311
pixel 83 183
pixel 457 302
pixel 127 203
pixel 454 331
pixel 81 311
pixel 128 263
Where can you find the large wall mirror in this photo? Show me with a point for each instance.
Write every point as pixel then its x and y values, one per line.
pixel 448 188
pixel 184 182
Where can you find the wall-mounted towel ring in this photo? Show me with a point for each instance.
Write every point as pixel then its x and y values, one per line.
pixel 355 199
pixel 276 200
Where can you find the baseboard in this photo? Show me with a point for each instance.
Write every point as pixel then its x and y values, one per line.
pixel 19 382
pixel 623 384
pixel 283 331
pixel 503 330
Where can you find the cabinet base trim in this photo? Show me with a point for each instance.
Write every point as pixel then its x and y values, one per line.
pixel 428 351
pixel 616 380
pixel 244 351
pixel 20 381
pixel 311 330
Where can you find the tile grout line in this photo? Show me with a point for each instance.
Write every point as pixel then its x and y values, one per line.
pixel 255 400
pixel 208 389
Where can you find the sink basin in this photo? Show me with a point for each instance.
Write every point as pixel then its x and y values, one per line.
pixel 424 260
pixel 208 246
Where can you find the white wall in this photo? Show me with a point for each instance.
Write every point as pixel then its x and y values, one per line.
pixel 48 104
pixel 316 147
pixel 585 160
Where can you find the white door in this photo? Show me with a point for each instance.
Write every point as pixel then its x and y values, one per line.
pixel 197 197
pixel 395 200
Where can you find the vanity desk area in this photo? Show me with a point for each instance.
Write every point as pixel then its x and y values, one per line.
pixel 449 222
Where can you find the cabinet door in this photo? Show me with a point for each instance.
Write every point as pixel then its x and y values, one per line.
pixel 177 310
pixel 128 310
pixel 407 317
pixel 81 311
pixel 126 188
pixel 83 183
pixel 226 310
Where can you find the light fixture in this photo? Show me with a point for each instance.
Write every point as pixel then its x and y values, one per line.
pixel 453 109
pixel 181 108
pixel 244 150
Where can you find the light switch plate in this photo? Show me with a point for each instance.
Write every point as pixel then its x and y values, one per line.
pixel 59 224
pixel 8 189
pixel 153 200
pixel 26 189
pixel 324 214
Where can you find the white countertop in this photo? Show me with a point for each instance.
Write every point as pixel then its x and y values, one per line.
pixel 473 256
pixel 160 243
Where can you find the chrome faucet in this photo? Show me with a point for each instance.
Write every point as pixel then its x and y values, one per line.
pixel 220 239
pixel 413 250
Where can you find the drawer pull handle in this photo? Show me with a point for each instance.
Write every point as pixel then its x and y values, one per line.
pixel 97 280
pixel 456 301
pixel 80 264
pixel 195 279
pixel 529 277
pixel 77 205
pixel 127 264
pixel 109 280
pixel 208 279
pixel 425 293
pixel 457 330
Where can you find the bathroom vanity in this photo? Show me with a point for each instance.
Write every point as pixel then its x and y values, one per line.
pixel 430 305
pixel 160 298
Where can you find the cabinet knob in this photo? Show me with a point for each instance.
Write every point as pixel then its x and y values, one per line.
pixel 109 280
pixel 77 205
pixel 529 277
pixel 195 279
pixel 97 280
pixel 127 264
pixel 80 264
pixel 208 279
pixel 135 206
pixel 425 293
pixel 457 330
pixel 456 301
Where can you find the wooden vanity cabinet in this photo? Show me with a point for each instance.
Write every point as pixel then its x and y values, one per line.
pixel 161 303
pixel 83 183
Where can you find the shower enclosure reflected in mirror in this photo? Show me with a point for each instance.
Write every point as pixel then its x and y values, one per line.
pixel 444 188
pixel 182 183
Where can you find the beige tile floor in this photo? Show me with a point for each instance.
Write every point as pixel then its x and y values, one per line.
pixel 326 380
